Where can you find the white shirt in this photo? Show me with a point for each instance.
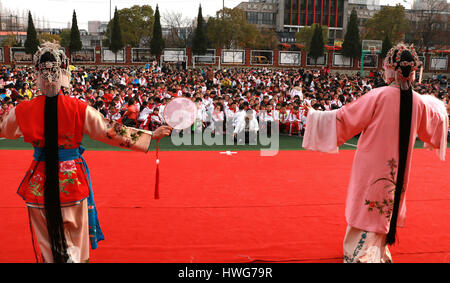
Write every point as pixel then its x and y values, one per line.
pixel 295 91
pixel 144 114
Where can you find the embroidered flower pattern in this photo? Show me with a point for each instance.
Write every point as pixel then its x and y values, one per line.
pixel 67 141
pixel 385 206
pixel 34 184
pixel 358 248
pixel 129 136
pixel 68 169
pixel 37 144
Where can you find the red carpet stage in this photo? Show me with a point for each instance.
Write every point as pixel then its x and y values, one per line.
pixel 220 208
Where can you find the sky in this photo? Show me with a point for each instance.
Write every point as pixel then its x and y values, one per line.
pixel 59 12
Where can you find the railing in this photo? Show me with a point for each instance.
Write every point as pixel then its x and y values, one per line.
pixel 219 58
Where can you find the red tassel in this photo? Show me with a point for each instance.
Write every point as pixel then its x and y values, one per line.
pixel 157 180
pixel 157 171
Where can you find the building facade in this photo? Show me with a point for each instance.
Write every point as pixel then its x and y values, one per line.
pixel 292 15
pixel 365 9
pixel 260 12
pixel 287 17
pixel 300 13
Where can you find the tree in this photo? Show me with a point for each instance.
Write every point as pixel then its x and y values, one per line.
pixel 11 40
pixel 180 29
pixel 32 42
pixel 305 35
pixel 116 36
pixel 229 29
pixel 267 39
pixel 200 42
pixel 351 47
pixel 390 21
pixel 316 48
pixel 49 37
pixel 387 45
pixel 75 41
pixel 65 37
pixel 157 42
pixel 428 24
pixel 136 25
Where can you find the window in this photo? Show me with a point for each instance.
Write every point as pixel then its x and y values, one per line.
pixel 340 61
pixel 321 61
pixel 267 18
pixel 252 18
pixel 438 63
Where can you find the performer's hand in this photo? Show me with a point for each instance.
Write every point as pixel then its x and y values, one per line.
pixel 161 132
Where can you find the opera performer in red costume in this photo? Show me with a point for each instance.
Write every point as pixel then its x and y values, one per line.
pixel 57 188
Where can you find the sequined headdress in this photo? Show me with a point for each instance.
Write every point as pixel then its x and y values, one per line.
pixel 52 71
pixel 393 65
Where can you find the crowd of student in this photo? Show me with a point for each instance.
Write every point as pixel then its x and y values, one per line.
pixel 137 96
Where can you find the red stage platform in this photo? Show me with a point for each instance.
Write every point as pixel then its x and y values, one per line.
pixel 238 208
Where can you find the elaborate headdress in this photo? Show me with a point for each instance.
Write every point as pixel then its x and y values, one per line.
pixel 52 64
pixel 400 65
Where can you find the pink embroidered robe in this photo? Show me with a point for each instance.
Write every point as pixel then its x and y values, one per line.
pixel 375 115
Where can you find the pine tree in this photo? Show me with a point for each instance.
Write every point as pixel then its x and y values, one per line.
pixel 157 42
pixel 199 43
pixel 75 41
pixel 352 44
pixel 317 46
pixel 32 41
pixel 387 45
pixel 116 36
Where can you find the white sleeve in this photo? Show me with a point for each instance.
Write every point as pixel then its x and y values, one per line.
pixel 439 107
pixel 320 134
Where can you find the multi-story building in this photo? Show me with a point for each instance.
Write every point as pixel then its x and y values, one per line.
pixel 287 17
pixel 260 12
pixel 365 9
pixel 97 27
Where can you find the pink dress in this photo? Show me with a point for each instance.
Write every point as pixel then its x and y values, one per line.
pixel 375 115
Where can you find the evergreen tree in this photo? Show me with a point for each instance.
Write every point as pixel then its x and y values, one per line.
pixel 352 44
pixel 387 45
pixel 116 36
pixel 75 41
pixel 157 42
pixel 32 42
pixel 316 49
pixel 199 43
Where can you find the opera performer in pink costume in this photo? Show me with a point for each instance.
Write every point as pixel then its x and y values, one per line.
pixel 57 187
pixel 389 119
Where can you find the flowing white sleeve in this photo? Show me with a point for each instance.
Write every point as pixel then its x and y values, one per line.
pixel 438 106
pixel 320 134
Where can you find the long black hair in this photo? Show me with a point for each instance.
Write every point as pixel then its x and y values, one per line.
pixel 405 114
pixel 52 205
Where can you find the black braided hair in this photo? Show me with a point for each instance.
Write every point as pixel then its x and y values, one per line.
pixel 405 114
pixel 53 214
